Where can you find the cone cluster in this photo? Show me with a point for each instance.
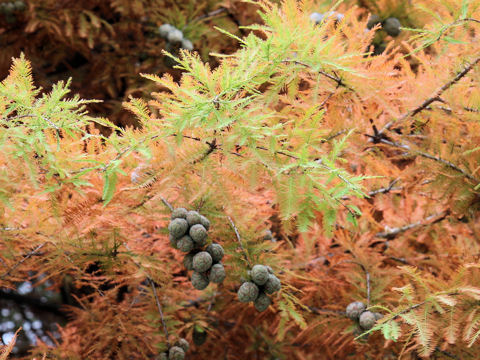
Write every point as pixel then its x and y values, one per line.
pixel 390 25
pixel 263 283
pixel 356 311
pixel 268 236
pixel 176 352
pixel 10 7
pixel 188 233
pixel 317 18
pixel 199 336
pixel 174 37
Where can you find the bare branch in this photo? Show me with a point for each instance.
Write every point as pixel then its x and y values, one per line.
pixel 167 204
pixel 400 260
pixel 390 233
pixel 239 239
pixel 333 136
pixel 212 146
pixel 367 275
pixel 367 280
pixel 446 353
pixel 327 75
pixel 159 307
pixel 211 14
pixel 413 307
pixel 434 97
pixel 25 258
pixel 431 157
pixel 410 308
pixel 383 190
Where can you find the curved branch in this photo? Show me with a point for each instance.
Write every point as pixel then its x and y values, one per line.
pixel 434 97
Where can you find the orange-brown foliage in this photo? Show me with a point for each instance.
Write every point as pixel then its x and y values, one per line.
pixel 291 147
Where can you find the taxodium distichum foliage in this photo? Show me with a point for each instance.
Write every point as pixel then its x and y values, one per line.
pixel 352 179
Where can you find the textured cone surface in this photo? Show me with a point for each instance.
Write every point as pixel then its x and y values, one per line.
pixel 20 5
pixel 338 16
pixel 162 356
pixel 176 353
pixel 217 273
pixel 135 177
pixel 173 241
pixel 379 48
pixel 199 281
pixel 316 17
pixel 188 261
pixel 202 261
pixel 199 337
pixel 247 292
pixel 259 274
pixel 392 26
pixel 367 320
pixel 200 245
pixel 354 309
pixel 198 233
pixel 205 222
pixel 193 218
pixel 9 8
pixel 378 316
pixel 216 252
pixel 178 228
pixel 165 29
pixel 179 213
pixel 185 244
pixel 268 235
pixel 262 302
pixel 187 44
pixel 272 285
pixel 175 36
pixel 373 20
pixel 183 344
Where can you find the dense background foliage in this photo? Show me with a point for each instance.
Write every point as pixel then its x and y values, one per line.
pixel 357 151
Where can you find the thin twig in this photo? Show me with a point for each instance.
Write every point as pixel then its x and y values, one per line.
pixel 237 234
pixel 51 123
pixel 434 97
pixel 367 275
pixel 327 75
pixel 431 157
pixel 383 190
pixel 25 258
pixel 410 308
pixel 159 307
pixel 392 232
pixel 400 260
pixel 446 353
pixel 367 280
pixel 167 204
pixel 212 146
pixel 318 311
pixel 333 136
pixel 211 14
pixel 157 300
pixel 413 307
pixel 329 96
pixel 470 109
